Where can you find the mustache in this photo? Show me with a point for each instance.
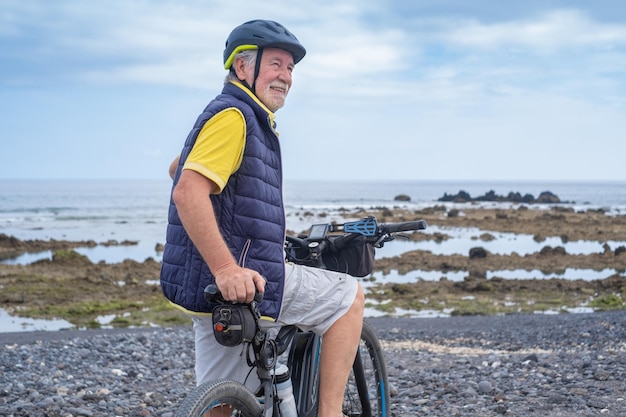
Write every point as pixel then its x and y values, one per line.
pixel 280 85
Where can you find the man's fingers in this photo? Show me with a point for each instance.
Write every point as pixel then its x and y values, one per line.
pixel 259 283
pixel 242 287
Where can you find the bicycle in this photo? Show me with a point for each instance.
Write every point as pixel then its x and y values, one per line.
pixel 367 391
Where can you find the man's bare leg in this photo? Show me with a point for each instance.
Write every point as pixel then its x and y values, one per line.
pixel 339 346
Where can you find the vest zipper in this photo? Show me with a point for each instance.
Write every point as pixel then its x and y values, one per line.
pixel 244 253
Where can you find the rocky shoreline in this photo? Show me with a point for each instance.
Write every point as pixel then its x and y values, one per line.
pixel 73 288
pixel 516 365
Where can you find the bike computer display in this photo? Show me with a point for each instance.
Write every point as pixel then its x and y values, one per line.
pixel 318 232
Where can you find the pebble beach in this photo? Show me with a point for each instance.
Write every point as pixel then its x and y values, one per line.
pixel 513 365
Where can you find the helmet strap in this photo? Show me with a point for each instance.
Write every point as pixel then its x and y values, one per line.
pixel 257 68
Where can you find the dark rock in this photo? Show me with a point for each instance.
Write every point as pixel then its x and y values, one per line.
pixel 547 197
pixel 477 253
pixel 453 213
pixel 550 251
pixel 532 357
pixel 460 197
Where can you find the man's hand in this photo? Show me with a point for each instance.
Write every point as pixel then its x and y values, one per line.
pixel 239 284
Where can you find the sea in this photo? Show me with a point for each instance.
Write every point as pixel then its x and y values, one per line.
pixel 136 211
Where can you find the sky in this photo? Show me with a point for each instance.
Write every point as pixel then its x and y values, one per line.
pixel 388 90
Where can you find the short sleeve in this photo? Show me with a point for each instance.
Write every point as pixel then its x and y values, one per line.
pixel 218 150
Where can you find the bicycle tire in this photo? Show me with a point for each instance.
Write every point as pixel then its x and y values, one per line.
pixel 367 391
pixel 218 393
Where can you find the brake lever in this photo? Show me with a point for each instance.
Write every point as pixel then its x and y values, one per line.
pixel 388 237
pixel 402 236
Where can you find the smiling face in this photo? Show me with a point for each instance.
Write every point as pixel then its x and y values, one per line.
pixel 274 79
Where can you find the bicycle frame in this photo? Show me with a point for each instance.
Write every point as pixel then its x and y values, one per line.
pixel 304 365
pixel 304 347
pixel 303 362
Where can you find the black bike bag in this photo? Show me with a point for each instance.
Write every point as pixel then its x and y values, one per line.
pixel 233 324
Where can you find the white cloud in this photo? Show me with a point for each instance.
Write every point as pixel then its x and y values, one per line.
pixel 550 31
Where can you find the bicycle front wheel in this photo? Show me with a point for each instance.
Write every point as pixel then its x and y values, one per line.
pixel 220 398
pixel 367 392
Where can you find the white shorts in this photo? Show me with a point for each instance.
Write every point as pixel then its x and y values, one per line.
pixel 313 300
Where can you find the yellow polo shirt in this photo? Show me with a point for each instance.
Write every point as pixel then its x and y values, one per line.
pixel 218 150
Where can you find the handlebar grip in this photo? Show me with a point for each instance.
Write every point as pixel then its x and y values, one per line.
pixel 212 294
pixel 403 227
pixel 298 242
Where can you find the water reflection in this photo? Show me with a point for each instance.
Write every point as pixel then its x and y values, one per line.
pixel 108 254
pixel 457 276
pixel 9 324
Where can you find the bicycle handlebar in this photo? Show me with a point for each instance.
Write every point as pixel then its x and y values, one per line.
pixel 309 249
pixel 318 245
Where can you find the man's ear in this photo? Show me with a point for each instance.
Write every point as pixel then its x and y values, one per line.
pixel 239 65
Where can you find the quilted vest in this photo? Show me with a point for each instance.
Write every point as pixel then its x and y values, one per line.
pixel 249 211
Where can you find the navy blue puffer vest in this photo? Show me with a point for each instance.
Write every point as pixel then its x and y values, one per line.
pixel 249 211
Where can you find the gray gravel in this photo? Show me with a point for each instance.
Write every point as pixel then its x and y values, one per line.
pixel 521 365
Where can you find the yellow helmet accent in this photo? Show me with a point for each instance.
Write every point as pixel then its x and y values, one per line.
pixel 231 58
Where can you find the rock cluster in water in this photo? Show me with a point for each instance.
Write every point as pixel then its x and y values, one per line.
pixel 546 197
